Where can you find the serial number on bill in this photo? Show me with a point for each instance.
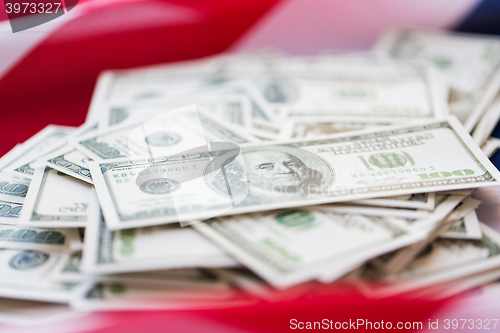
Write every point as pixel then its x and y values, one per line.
pixel 33 7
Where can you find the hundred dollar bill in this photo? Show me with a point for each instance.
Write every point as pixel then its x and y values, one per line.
pixel 147 82
pixel 265 129
pixel 254 285
pixel 443 260
pixel 470 65
pixel 419 158
pixel 68 269
pixel 168 133
pixel 56 200
pixel 140 85
pixel 427 225
pixel 200 278
pixel 127 295
pixel 171 80
pixel 425 201
pixel 368 91
pixel 164 247
pixel 292 246
pixel 444 207
pixel 23 161
pixel 13 188
pixel 315 127
pixel 9 212
pixel 28 238
pixel 407 214
pixel 25 276
pixel 467 227
pixel 71 162
pixel 488 122
pixel 399 92
pixel 180 279
pixel 136 83
pixel 231 108
pixel 398 260
pixel 259 109
pixel 259 138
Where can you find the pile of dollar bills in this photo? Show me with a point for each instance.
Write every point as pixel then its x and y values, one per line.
pixel 261 176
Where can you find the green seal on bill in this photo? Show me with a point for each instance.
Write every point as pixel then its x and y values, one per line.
pixel 296 218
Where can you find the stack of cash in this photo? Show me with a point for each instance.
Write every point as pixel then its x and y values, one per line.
pixel 244 177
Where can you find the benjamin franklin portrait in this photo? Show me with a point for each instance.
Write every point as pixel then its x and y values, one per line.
pixel 275 171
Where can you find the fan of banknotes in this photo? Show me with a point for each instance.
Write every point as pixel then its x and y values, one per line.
pixel 262 176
